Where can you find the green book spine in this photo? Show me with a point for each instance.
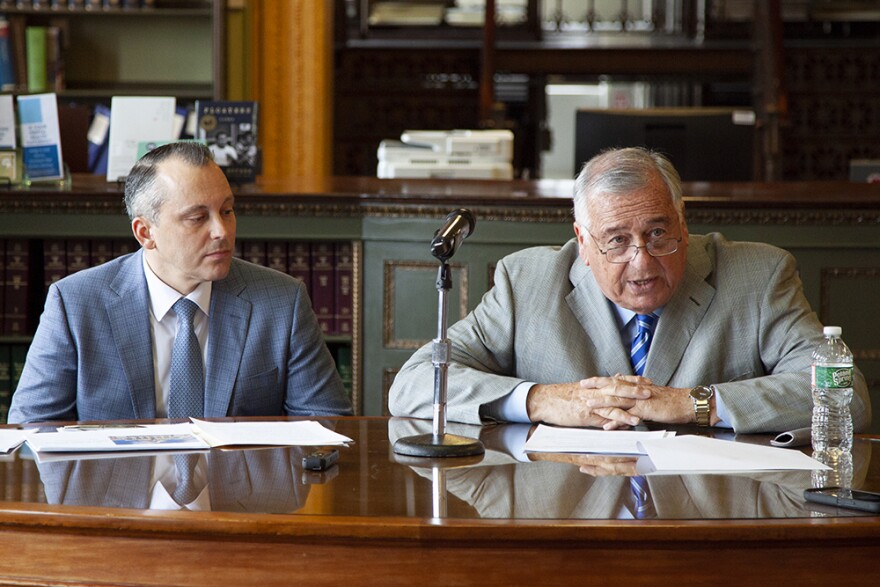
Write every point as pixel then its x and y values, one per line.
pixel 36 58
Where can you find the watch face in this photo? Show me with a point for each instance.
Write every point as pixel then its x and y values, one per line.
pixel 701 393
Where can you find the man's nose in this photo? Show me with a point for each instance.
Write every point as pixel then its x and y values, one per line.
pixel 219 228
pixel 642 256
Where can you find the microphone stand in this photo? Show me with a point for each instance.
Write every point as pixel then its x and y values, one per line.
pixel 439 443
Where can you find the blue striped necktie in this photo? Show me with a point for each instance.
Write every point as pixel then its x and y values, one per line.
pixel 186 393
pixel 642 342
pixel 642 505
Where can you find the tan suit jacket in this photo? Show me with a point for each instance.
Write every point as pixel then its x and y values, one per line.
pixel 739 320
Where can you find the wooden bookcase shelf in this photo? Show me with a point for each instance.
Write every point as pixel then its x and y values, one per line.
pixel 169 51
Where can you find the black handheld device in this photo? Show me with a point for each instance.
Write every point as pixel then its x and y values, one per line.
pixel 320 460
pixel 845 498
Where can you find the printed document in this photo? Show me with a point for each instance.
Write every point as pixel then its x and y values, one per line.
pixel 698 454
pixel 619 442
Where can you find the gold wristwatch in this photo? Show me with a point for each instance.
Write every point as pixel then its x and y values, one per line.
pixel 701 395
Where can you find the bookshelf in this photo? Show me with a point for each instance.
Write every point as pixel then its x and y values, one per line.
pixel 129 51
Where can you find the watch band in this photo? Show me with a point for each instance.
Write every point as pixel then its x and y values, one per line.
pixel 701 395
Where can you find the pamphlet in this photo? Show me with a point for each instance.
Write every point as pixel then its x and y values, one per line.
pixel 135 120
pixel 114 438
pixel 40 137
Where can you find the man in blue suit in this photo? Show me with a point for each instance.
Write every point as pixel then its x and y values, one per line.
pixel 102 350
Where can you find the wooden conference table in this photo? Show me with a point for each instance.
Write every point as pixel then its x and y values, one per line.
pixel 376 518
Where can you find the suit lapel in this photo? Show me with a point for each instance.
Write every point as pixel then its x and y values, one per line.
pixel 227 334
pixel 681 316
pixel 229 479
pixel 129 316
pixel 596 317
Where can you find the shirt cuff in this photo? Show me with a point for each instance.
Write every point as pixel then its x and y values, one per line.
pixel 510 407
pixel 721 412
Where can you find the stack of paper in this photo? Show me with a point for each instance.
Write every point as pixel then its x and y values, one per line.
pixel 198 435
pixel 667 453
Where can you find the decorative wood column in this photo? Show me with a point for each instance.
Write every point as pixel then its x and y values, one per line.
pixel 292 53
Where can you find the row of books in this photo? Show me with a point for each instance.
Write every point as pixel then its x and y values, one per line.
pixel 325 267
pixel 79 4
pixel 28 267
pixel 31 57
pixel 12 356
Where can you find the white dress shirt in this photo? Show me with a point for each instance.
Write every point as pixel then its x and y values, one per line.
pixel 163 326
pixel 165 482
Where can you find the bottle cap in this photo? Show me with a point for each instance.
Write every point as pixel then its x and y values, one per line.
pixel 832 331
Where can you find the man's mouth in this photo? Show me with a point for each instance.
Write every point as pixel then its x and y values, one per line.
pixel 642 283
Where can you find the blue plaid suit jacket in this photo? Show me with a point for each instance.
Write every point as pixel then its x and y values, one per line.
pixel 92 357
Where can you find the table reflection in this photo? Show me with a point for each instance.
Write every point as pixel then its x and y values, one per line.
pixel 268 480
pixel 509 484
pixel 370 480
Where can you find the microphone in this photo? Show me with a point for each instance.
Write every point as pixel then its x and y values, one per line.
pixel 459 225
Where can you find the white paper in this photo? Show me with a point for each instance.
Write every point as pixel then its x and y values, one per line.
pixel 623 442
pixel 152 437
pixel 299 433
pixel 11 438
pixel 693 454
pixel 136 120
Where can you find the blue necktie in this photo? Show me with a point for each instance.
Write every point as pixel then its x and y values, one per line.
pixel 186 491
pixel 186 394
pixel 642 505
pixel 643 508
pixel 642 342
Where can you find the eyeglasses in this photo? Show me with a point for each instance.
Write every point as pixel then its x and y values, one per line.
pixel 626 253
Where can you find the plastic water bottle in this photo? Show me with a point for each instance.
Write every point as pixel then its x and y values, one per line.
pixel 832 380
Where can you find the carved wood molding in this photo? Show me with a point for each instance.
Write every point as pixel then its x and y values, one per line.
pixel 785 217
pixel 74 205
pixel 390 310
pixel 503 213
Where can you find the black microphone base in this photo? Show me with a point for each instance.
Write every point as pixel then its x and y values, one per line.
pixel 444 445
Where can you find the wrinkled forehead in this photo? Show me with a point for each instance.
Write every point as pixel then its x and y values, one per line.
pixel 639 209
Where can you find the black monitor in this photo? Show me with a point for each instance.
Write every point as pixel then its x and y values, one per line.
pixel 704 144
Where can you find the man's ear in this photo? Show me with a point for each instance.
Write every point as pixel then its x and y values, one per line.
pixel 143 232
pixel 581 235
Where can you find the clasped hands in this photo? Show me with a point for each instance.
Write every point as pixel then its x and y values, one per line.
pixel 614 402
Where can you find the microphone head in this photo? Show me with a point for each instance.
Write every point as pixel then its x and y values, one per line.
pixel 458 226
pixel 467 216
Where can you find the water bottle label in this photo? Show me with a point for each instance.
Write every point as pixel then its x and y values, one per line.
pixel 832 377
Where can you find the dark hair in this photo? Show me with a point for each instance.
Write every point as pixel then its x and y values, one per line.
pixel 143 197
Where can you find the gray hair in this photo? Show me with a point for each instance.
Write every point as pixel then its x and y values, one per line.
pixel 618 173
pixel 143 195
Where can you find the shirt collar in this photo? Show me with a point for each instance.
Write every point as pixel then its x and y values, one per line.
pixel 624 316
pixel 163 296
